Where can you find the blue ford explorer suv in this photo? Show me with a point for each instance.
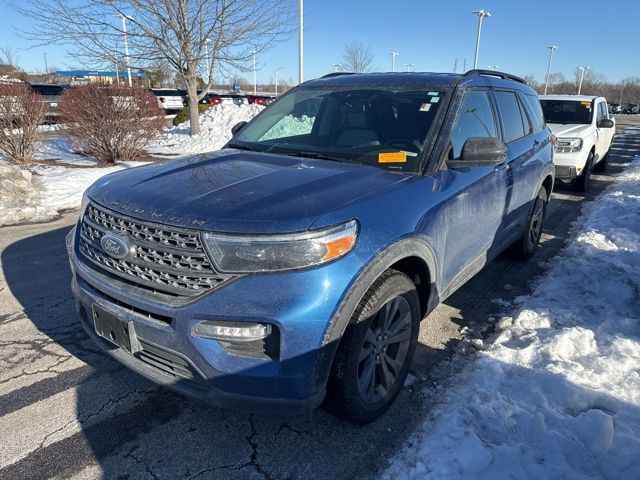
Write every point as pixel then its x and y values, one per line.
pixel 294 265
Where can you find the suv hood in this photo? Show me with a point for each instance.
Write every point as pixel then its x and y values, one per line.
pixel 238 191
pixel 570 130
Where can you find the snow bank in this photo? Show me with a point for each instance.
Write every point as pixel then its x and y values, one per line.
pixel 215 124
pixel 43 192
pixel 557 394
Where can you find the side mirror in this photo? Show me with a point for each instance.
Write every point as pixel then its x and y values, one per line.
pixel 237 127
pixel 605 123
pixel 480 152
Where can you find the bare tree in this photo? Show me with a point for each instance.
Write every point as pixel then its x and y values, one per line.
pixel 357 57
pixel 21 113
pixel 110 122
pixel 191 36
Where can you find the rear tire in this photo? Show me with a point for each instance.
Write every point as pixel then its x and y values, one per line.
pixel 376 351
pixel 526 246
pixel 581 183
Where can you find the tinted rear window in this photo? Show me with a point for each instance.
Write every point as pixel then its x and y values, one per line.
pixel 48 89
pixel 514 124
pixel 166 93
pixel 536 111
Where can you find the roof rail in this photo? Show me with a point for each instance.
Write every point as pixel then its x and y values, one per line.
pixel 336 74
pixel 493 73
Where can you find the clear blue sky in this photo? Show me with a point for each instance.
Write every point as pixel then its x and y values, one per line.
pixel 431 35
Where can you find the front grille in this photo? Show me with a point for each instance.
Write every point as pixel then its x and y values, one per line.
pixel 165 259
pixel 170 364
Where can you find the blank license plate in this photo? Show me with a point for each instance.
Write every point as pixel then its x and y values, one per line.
pixel 114 329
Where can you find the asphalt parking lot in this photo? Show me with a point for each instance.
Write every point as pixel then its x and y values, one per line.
pixel 67 410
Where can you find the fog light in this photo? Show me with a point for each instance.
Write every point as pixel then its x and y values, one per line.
pixel 232 331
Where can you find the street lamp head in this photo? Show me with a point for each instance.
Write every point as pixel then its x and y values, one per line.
pixel 552 47
pixel 481 13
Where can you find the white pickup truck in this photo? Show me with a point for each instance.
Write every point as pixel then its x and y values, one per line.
pixel 584 131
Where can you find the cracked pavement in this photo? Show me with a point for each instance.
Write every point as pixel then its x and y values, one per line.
pixel 68 411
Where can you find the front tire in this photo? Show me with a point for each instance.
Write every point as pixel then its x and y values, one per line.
pixel 526 246
pixel 581 183
pixel 376 351
pixel 601 166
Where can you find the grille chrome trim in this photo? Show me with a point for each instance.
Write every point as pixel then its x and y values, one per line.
pixel 167 259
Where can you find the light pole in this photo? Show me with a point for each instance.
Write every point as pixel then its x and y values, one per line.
pixel 300 42
pixel 551 50
pixel 621 92
pixel 255 82
pixel 409 66
pixel 393 60
pixel 481 14
pixel 117 75
pixel 582 70
pixel 126 42
pixel 276 82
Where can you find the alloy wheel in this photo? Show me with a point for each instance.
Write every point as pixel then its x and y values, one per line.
pixel 384 350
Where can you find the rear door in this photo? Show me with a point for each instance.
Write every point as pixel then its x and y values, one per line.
pixel 473 216
pixel 524 163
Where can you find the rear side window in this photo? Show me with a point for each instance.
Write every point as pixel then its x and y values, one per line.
pixel 514 121
pixel 536 112
pixel 475 119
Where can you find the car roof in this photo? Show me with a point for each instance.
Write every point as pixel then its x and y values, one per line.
pixel 433 80
pixel 573 98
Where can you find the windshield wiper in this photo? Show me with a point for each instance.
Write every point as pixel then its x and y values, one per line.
pixel 315 155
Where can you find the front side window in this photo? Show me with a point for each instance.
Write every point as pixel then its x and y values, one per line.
pixel 602 111
pixel 386 128
pixel 567 111
pixel 515 124
pixel 475 119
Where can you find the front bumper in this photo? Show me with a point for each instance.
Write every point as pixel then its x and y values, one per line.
pixel 565 173
pixel 300 305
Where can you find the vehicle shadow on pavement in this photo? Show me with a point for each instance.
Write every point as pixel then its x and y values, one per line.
pixel 128 425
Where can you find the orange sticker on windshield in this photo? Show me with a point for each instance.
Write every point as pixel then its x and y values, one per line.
pixel 392 157
pixel 586 103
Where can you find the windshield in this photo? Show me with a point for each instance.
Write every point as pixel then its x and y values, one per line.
pixel 567 111
pixel 384 128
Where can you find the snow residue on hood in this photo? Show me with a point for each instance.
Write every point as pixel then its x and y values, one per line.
pixel 215 124
pixel 557 394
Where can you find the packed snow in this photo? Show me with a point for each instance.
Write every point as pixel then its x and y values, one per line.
pixel 557 392
pixel 215 122
pixel 48 191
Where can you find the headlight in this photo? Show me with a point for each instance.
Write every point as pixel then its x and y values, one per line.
pixel 272 253
pixel 569 145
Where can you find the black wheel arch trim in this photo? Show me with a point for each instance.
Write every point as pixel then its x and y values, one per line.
pixel 405 248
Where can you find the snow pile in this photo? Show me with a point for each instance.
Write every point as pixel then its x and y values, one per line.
pixel 215 124
pixel 17 193
pixel 290 126
pixel 557 395
pixel 43 192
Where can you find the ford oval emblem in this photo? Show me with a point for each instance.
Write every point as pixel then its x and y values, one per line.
pixel 116 245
